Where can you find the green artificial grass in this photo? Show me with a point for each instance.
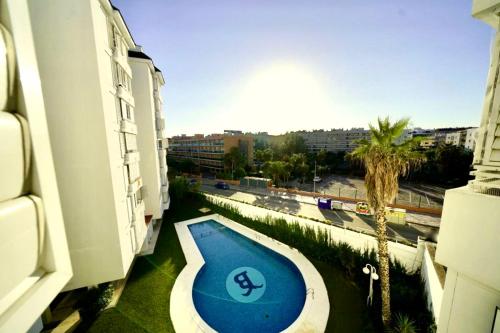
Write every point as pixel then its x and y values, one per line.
pixel 145 303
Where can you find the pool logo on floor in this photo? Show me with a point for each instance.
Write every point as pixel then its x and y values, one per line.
pixel 245 284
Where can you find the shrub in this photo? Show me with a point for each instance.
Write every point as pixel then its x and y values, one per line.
pixel 178 188
pixel 403 324
pixel 95 300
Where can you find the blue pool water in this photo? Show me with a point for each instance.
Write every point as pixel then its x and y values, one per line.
pixel 244 286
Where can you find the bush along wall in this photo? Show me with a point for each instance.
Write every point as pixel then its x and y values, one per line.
pixel 407 289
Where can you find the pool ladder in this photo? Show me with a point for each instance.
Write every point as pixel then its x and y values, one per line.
pixel 310 291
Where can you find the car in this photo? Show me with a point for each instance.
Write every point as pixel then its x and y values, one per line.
pixel 222 185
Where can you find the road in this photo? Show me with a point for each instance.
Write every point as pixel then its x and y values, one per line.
pixel 420 195
pixel 346 219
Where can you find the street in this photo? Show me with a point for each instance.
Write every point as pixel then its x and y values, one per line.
pixel 306 207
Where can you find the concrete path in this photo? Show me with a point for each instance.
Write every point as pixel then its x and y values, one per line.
pixel 307 208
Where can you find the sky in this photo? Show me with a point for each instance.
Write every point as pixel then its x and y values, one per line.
pixel 286 65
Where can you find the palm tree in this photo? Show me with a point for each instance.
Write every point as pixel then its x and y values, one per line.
pixel 385 161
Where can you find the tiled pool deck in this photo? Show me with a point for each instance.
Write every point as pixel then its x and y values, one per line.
pixel 185 318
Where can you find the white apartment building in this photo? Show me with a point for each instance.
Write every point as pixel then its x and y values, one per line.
pixel 463 138
pixel 146 84
pixel 334 140
pixel 34 256
pixel 469 237
pixel 82 52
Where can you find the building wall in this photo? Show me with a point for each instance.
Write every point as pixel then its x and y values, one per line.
pixel 470 233
pixel 95 159
pixel 467 305
pixel 334 140
pixel 35 264
pixel 147 139
pixel 208 151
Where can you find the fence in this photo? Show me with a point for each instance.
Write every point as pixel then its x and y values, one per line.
pixel 426 210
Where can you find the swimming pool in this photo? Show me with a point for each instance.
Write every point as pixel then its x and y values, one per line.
pixel 238 280
pixel 244 286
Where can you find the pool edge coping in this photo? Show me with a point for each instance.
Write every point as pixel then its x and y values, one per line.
pixel 315 312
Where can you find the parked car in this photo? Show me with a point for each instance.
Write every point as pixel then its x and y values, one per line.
pixel 222 185
pixel 362 208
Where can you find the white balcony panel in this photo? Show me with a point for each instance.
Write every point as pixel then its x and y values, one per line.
pixel 135 186
pixel 162 155
pixel 128 126
pixel 13 156
pixel 125 95
pixel 19 241
pixel 157 95
pixel 164 192
pixel 163 176
pixel 163 143
pixel 122 61
pixel 131 158
pixel 160 124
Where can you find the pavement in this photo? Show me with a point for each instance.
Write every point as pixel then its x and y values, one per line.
pixel 304 206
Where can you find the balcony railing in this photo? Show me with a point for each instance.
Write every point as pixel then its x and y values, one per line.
pixel 128 126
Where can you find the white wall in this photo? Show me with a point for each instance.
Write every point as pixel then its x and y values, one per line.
pixel 467 306
pixel 77 85
pixel 142 87
pixel 433 287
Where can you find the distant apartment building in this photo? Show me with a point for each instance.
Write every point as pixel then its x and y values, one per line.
pixel 34 256
pixel 207 151
pixel 334 140
pixel 463 138
pixel 151 141
pixel 469 234
pixel 431 138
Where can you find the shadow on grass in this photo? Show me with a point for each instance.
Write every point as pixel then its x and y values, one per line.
pixel 145 303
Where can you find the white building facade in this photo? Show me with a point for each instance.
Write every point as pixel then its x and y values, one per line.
pixel 470 227
pixel 34 252
pixel 464 138
pixel 334 140
pixel 151 140
pixel 82 51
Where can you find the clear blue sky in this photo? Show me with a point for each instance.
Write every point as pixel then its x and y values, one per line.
pixel 285 65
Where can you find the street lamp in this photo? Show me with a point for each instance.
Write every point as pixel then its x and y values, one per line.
pixel 369 269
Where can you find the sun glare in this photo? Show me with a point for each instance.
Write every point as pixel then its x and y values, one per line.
pixel 284 94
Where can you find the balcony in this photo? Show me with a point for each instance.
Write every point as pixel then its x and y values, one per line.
pixel 470 218
pixel 132 158
pixel 163 143
pixel 122 60
pixel 162 155
pixel 160 124
pixel 135 186
pixel 157 95
pixel 164 193
pixel 128 126
pixel 124 94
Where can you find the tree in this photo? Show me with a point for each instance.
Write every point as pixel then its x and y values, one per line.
pixel 234 160
pixel 299 167
pixel 385 162
pixel 294 144
pixel 264 155
pixel 278 171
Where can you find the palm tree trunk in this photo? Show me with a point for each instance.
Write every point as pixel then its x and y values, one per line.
pixel 383 257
